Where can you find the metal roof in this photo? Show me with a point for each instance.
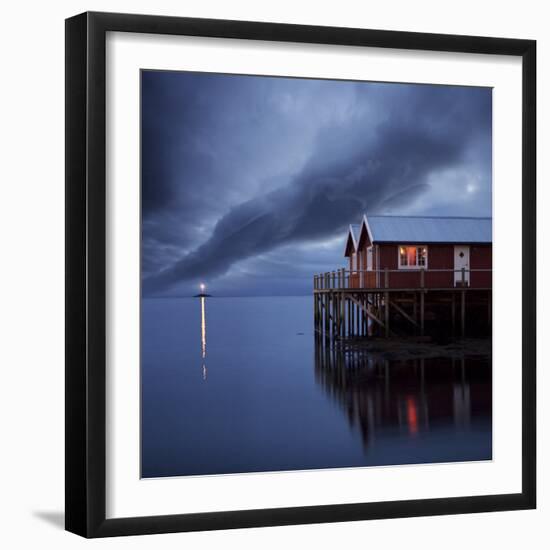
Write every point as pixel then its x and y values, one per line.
pixel 430 229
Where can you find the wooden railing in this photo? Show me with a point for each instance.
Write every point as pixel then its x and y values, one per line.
pixel 401 278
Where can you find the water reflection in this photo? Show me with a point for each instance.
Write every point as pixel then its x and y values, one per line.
pixel 407 398
pixel 268 406
pixel 203 336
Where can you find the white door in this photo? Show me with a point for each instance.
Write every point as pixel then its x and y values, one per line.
pixel 462 260
pixel 369 258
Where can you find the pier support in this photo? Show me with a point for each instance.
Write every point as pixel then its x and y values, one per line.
pixel 326 314
pixel 462 313
pixel 421 313
pixel 453 313
pixel 387 313
pixel 367 312
pixel 342 318
pixel 341 311
pixel 404 313
pixel 352 324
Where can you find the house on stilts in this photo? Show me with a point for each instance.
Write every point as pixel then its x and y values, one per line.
pixel 407 272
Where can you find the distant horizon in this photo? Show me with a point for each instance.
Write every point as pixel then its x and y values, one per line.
pixel 167 296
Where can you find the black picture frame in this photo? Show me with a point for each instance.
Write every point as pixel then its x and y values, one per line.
pixel 86 268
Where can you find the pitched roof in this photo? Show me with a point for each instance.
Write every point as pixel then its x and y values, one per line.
pixel 355 230
pixel 430 229
pixel 352 239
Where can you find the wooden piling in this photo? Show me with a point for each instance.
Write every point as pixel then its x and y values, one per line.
pixel 352 324
pixel 342 310
pixel 348 324
pixel 387 313
pixel 326 307
pixel 315 311
pixel 342 318
pixel 364 317
pixel 462 313
pixel 453 312
pixel 422 313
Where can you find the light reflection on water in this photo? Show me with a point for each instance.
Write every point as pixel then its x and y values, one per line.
pixel 410 395
pixel 203 336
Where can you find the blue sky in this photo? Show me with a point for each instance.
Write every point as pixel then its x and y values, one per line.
pixel 249 183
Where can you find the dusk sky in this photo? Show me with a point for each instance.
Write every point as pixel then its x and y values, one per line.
pixel 250 183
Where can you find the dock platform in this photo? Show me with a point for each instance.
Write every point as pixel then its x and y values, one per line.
pixel 356 304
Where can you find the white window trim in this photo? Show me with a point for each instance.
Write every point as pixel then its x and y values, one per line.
pixel 366 266
pixel 412 267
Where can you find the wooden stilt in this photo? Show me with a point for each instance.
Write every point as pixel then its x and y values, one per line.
pixel 350 329
pixel 363 317
pixel 349 318
pixel 342 317
pixel 369 310
pixel 327 313
pixel 316 304
pixel 360 317
pixel 404 313
pixel 453 312
pixel 370 314
pixel 422 313
pixel 341 310
pixel 336 310
pixel 353 313
pixel 387 313
pixel 463 313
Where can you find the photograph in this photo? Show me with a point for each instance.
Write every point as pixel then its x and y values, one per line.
pixel 287 275
pixel 316 273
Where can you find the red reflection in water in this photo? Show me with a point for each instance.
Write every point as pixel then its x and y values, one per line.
pixel 412 415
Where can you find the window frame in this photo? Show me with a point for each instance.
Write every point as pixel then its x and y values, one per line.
pixel 415 267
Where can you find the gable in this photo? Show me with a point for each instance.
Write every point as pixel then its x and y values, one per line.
pixel 364 235
pixel 351 241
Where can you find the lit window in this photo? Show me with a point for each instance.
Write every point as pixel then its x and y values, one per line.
pixel 413 256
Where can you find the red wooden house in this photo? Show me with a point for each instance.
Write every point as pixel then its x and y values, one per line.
pixel 420 251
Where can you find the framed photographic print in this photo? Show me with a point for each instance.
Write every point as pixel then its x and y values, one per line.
pixel 300 274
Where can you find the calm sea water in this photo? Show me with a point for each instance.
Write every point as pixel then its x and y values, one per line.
pixel 234 385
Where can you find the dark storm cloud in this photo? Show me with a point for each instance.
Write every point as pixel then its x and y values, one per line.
pixel 241 166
